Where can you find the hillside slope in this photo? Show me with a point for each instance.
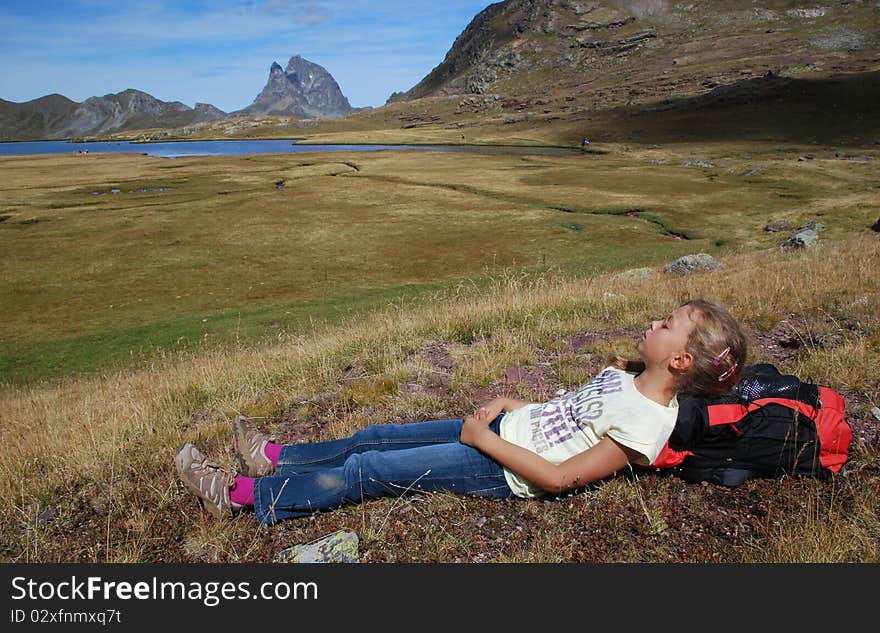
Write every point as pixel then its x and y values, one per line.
pixel 35 119
pixel 642 49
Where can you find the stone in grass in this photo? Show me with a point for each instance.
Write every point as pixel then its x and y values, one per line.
pixel 802 239
pixel 47 516
pixel 812 225
pixel 338 547
pixel 690 162
pixel 693 263
pixel 777 226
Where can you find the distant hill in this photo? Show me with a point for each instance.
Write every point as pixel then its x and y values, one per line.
pixel 37 119
pixel 304 90
pixel 57 117
pixel 132 109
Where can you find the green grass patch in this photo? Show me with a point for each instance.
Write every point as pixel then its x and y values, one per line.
pixel 169 265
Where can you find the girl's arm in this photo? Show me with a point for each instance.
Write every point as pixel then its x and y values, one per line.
pixel 511 405
pixel 496 406
pixel 598 462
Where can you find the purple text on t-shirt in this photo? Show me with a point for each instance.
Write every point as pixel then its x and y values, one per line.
pixel 572 412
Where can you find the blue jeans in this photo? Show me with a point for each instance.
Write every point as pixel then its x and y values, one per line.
pixel 379 461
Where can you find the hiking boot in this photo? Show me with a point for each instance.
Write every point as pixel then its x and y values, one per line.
pixel 208 481
pixel 248 444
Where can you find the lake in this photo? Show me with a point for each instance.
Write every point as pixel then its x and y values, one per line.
pixel 235 148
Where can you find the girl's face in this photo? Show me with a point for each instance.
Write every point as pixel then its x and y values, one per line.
pixel 665 342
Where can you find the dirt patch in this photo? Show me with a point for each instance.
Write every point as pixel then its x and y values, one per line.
pixel 579 341
pixel 437 353
pixel 781 344
pixel 304 421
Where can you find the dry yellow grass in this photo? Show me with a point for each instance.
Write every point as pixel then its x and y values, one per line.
pixel 111 438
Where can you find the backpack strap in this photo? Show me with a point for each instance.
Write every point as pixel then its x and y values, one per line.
pixel 720 414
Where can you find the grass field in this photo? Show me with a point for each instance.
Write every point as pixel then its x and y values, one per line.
pixel 202 251
pixel 400 286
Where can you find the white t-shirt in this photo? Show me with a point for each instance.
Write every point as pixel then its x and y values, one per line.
pixel 569 424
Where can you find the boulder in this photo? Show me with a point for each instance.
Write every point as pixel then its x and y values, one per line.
pixel 801 239
pixel 338 547
pixel 693 263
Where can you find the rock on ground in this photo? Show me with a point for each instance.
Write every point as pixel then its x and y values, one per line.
pixel 693 263
pixel 802 239
pixel 338 547
pixel 812 225
pixel 777 226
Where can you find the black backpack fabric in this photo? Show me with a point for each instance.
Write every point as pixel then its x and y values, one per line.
pixel 769 424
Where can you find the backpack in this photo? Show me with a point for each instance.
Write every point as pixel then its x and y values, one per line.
pixel 769 424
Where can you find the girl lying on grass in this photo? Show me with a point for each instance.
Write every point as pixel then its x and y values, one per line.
pixel 507 448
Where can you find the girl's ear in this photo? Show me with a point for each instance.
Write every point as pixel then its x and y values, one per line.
pixel 682 361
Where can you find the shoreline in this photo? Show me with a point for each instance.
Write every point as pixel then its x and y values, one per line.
pixel 295 140
pixel 137 147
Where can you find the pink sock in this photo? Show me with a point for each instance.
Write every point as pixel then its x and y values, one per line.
pixel 242 491
pixel 273 452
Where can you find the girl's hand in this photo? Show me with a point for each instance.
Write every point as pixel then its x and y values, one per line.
pixel 493 408
pixel 477 425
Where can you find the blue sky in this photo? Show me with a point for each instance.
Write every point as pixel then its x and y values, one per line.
pixel 220 52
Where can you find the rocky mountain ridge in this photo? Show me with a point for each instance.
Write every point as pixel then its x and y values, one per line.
pixel 57 117
pixel 304 90
pixel 628 52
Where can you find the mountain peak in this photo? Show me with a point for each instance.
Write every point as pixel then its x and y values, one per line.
pixel 303 90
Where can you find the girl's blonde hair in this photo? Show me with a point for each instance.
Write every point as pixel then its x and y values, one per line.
pixel 719 348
